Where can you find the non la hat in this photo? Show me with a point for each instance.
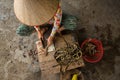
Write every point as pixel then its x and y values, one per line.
pixel 35 12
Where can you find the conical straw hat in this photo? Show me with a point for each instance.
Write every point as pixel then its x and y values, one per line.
pixel 35 12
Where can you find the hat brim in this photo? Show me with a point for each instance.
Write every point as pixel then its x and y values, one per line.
pixel 35 12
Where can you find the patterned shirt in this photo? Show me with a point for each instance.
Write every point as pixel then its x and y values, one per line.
pixel 56 22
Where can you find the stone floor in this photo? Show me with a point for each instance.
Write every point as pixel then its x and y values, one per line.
pixel 97 19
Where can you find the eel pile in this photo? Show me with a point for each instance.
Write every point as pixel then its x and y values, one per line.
pixel 89 49
pixel 67 55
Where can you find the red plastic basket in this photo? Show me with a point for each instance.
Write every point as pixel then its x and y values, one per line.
pixel 98 55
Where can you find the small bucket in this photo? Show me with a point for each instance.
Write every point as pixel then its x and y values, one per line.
pixel 98 55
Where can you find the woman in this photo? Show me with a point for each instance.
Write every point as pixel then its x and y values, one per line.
pixel 38 12
pixel 56 21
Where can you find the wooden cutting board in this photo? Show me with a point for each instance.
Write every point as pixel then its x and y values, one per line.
pixel 48 63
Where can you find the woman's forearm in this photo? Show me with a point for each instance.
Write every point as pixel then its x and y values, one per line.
pixel 38 31
pixel 57 22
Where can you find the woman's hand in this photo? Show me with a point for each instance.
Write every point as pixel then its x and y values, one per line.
pixel 50 40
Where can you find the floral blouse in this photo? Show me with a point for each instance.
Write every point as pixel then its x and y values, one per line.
pixel 56 21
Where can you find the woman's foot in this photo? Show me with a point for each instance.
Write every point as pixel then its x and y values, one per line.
pixel 60 29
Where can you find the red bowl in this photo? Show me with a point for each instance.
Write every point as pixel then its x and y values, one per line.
pixel 98 55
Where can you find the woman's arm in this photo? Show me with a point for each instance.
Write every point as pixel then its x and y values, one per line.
pixel 57 22
pixel 40 34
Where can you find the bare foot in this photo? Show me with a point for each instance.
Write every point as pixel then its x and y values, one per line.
pixel 60 29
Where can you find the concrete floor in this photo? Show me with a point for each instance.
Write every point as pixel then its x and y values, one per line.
pixel 99 18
